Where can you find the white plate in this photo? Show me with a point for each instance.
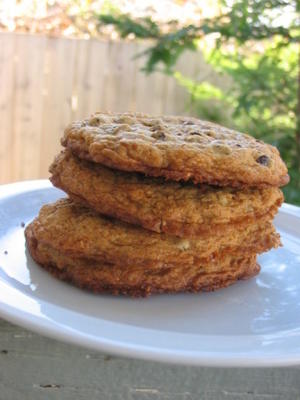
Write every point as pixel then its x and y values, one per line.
pixel 252 323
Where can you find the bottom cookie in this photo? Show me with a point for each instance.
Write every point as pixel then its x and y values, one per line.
pixel 138 281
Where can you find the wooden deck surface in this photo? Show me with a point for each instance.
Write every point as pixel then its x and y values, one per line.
pixel 33 367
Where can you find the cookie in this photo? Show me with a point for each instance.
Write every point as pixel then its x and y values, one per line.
pixel 136 280
pixel 177 148
pixel 180 209
pixel 74 230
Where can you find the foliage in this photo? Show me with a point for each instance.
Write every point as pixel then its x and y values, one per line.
pixel 257 49
pixel 169 46
pixel 263 100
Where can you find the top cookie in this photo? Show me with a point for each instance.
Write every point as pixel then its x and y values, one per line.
pixel 177 148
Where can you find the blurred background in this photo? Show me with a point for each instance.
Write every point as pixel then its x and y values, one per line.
pixel 233 62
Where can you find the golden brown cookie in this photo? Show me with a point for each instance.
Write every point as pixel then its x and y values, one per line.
pixel 136 280
pixel 79 232
pixel 180 209
pixel 177 148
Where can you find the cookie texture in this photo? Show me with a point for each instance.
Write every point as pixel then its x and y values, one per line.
pixel 79 232
pixel 180 209
pixel 177 148
pixel 136 280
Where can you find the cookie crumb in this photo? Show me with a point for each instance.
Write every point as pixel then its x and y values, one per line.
pixel 159 135
pixel 263 160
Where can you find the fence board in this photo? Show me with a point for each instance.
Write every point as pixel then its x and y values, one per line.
pixel 57 97
pixel 47 82
pixel 125 78
pixel 27 108
pixel 6 105
pixel 80 90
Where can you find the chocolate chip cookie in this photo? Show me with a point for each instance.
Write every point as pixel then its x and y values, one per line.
pixel 177 148
pixel 79 232
pixel 180 209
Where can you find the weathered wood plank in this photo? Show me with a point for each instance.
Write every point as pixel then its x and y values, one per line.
pixel 7 92
pixel 27 107
pixel 125 78
pixel 113 77
pixel 59 65
pixel 34 367
pixel 80 91
pixel 150 93
pixel 176 97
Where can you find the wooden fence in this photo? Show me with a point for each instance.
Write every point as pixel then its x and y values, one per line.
pixel 47 82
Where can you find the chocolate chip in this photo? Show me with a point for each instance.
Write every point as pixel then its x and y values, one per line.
pixel 22 224
pixel 5 252
pixel 195 133
pixel 263 160
pixel 221 148
pixel 94 121
pixel 159 135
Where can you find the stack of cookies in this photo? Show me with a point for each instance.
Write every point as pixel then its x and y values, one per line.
pixel 158 205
